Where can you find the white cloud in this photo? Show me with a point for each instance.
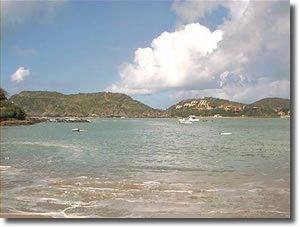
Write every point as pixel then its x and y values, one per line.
pixel 171 59
pixel 20 74
pixel 246 93
pixel 246 57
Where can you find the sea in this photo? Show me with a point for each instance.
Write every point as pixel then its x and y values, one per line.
pixel 147 168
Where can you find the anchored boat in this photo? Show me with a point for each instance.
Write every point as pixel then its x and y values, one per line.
pixel 192 118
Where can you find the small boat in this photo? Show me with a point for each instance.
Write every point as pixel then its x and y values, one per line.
pixel 79 130
pixel 225 133
pixel 192 118
pixel 185 122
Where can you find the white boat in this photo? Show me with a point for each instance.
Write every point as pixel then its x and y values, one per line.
pixel 225 133
pixel 79 130
pixel 192 118
pixel 184 121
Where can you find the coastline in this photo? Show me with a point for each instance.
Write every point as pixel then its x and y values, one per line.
pixel 242 117
pixel 36 120
pixel 13 216
pixel 211 215
pixel 14 122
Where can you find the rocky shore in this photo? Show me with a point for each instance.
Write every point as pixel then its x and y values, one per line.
pixel 31 121
pixel 15 122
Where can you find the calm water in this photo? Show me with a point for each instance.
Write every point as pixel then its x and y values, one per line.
pixel 147 168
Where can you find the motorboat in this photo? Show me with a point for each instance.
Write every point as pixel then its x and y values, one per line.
pixel 192 118
pixel 184 121
pixel 75 130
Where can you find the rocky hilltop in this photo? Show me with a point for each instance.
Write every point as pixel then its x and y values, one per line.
pixel 208 106
pixel 102 104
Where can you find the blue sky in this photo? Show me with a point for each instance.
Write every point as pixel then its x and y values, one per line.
pixel 82 46
pixel 85 46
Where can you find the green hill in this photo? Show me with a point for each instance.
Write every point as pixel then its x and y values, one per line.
pixel 9 110
pixel 208 106
pixel 273 103
pixel 102 104
pixel 106 104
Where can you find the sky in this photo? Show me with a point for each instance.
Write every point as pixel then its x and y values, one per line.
pixel 158 52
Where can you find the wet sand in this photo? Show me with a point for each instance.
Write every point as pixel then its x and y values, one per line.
pixel 23 216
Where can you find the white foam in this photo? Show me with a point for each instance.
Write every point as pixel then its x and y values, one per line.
pixel 211 190
pixel 74 205
pixel 48 144
pixel 150 182
pixel 102 189
pixel 56 201
pixel 254 211
pixel 128 200
pixel 181 184
pixel 255 190
pixel 133 190
pixel 179 191
pixel 82 177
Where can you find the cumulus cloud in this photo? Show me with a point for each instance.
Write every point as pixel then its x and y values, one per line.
pixel 20 74
pixel 247 56
pixel 249 93
pixel 172 57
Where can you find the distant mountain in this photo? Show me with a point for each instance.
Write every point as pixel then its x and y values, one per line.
pixel 208 106
pixel 102 104
pixel 273 103
pixel 106 104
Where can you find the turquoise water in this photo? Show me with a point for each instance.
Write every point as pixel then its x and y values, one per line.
pixel 147 168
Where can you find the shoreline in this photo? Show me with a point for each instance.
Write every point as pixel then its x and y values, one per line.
pixel 211 215
pixel 36 120
pixel 19 122
pixel 18 216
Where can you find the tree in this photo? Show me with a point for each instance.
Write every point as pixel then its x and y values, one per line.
pixel 3 94
pixel 8 109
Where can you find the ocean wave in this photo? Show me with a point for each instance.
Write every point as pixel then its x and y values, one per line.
pixel 253 212
pixel 82 177
pixel 150 182
pixel 73 147
pixel 179 191
pixel 9 170
pixel 5 167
